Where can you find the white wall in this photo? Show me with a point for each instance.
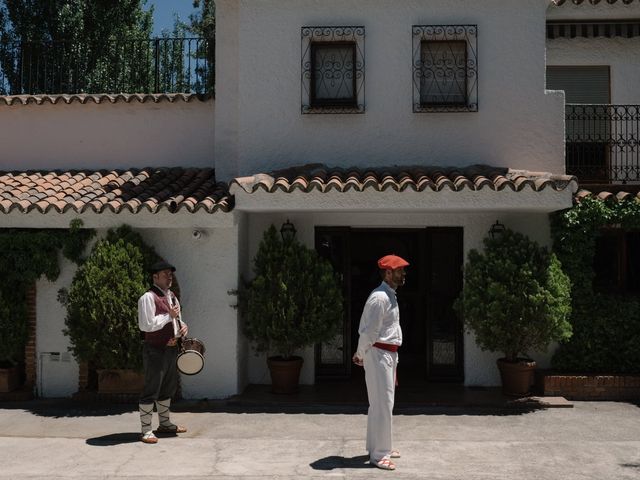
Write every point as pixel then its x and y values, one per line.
pixel 622 55
pixel 259 87
pixel 56 369
pixel 206 269
pixel 480 367
pixel 106 136
pixel 586 11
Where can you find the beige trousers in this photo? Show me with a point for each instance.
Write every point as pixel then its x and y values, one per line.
pixel 379 373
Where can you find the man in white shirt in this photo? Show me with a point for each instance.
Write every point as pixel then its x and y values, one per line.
pixel 160 320
pixel 380 337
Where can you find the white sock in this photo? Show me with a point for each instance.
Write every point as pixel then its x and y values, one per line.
pixel 146 411
pixel 162 406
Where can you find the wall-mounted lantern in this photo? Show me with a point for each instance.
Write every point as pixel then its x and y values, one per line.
pixel 287 231
pixel 496 230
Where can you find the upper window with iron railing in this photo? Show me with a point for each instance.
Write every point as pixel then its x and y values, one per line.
pixel 156 65
pixel 603 143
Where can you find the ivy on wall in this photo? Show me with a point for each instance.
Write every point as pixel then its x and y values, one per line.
pixel 25 256
pixel 606 326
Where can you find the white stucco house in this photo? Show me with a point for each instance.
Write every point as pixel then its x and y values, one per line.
pixel 372 126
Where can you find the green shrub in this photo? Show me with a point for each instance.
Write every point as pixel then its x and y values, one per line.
pixel 295 299
pixel 515 297
pixel 606 326
pixel 102 317
pixel 13 327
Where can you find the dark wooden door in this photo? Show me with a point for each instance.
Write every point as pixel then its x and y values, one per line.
pixel 445 361
pixel 432 346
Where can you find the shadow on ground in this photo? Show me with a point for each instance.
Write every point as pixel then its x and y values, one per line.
pixel 63 408
pixel 333 462
pixel 120 438
pixel 114 439
pixel 70 408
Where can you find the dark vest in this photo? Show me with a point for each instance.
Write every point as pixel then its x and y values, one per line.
pixel 159 338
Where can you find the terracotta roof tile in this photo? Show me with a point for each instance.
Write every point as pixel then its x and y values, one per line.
pixel 84 98
pixel 319 177
pixel 149 189
pixel 615 193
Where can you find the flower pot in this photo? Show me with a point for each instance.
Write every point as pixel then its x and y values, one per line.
pixel 9 379
pixel 517 378
pixel 285 374
pixel 120 381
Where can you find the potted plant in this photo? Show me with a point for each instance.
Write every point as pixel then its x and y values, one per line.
pixel 13 336
pixel 101 302
pixel 515 299
pixel 293 302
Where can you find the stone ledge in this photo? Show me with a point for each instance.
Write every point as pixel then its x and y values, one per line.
pixel 588 386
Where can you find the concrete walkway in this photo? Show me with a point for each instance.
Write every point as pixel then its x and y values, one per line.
pixel 61 440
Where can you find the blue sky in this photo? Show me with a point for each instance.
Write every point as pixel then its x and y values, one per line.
pixel 164 11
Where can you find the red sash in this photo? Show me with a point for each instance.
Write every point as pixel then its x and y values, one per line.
pixel 387 346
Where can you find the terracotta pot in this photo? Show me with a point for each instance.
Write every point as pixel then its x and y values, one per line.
pixel 120 381
pixel 285 374
pixel 517 378
pixel 9 379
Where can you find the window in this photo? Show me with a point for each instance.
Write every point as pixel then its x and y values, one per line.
pixel 333 75
pixel 444 79
pixel 617 262
pixel 445 75
pixel 588 121
pixel 332 70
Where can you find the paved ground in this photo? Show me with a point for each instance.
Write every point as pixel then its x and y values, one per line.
pixel 49 440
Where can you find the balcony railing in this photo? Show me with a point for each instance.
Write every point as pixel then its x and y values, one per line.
pixel 158 65
pixel 603 143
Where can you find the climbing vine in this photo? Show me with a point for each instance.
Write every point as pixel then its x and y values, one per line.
pixel 25 256
pixel 606 326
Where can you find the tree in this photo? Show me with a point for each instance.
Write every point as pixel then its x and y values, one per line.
pixel 203 25
pixel 101 302
pixel 203 22
pixel 54 46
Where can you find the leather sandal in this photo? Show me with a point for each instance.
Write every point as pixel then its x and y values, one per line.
pixel 171 429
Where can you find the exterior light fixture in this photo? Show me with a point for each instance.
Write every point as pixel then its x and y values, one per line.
pixel 287 231
pixel 496 230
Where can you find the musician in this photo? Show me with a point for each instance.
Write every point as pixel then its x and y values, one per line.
pixel 160 320
pixel 380 337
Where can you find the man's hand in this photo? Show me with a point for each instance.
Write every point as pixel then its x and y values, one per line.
pixel 174 311
pixel 183 329
pixel 357 360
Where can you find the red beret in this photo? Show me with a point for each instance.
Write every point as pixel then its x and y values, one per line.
pixel 391 262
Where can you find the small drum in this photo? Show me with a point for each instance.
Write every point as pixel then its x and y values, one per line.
pixel 191 357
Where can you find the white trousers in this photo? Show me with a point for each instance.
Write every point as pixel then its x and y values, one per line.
pixel 379 373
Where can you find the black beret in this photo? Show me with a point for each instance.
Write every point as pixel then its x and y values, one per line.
pixel 162 265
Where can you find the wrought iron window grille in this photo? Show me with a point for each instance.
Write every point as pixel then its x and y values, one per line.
pixel 332 69
pixel 445 68
pixel 603 142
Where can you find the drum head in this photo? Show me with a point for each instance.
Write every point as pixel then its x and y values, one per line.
pixel 190 362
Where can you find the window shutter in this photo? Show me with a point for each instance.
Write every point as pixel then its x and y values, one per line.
pixel 580 84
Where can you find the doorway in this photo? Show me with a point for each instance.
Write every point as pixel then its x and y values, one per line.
pixel 432 332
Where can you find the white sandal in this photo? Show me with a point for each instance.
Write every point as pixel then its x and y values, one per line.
pixel 385 464
pixel 148 437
